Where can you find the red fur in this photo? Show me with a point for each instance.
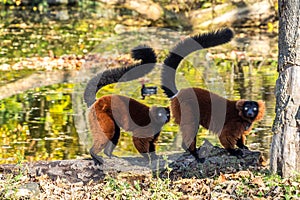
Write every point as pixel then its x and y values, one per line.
pixel 261 110
pixel 110 112
pixel 194 106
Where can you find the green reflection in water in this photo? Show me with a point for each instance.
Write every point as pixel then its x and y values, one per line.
pixel 39 124
pixel 62 30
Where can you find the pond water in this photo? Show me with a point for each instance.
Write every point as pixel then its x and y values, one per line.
pixel 48 122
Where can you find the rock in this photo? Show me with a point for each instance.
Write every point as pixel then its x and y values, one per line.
pixel 244 15
pixel 149 9
pixel 28 190
pixel 217 160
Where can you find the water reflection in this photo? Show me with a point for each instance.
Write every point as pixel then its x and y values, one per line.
pixel 38 125
pixel 49 123
pixel 29 32
pixel 44 123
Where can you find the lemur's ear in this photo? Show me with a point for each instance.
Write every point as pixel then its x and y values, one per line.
pixel 261 110
pixel 153 112
pixel 168 109
pixel 239 106
pixel 153 109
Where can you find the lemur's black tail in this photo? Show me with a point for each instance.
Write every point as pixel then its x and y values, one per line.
pixel 122 74
pixel 183 49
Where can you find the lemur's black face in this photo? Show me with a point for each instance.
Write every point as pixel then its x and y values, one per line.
pixel 163 114
pixel 250 109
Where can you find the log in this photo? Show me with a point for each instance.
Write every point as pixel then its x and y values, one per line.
pixel 183 165
pixel 36 80
pixel 80 170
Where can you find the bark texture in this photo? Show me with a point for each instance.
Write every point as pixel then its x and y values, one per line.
pixel 285 148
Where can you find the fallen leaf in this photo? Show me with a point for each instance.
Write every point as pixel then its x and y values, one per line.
pixel 221 178
pixel 258 181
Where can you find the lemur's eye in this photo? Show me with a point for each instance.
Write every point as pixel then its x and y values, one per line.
pixel 255 108
pixel 246 108
pixel 160 114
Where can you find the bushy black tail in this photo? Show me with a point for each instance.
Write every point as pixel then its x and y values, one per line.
pixel 122 74
pixel 183 49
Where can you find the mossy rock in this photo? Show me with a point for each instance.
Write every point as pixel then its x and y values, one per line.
pixel 217 160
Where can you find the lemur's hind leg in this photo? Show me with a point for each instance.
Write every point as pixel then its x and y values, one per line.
pixel 152 155
pixel 97 159
pixel 111 145
pixel 103 131
pixel 142 145
pixel 189 125
pixel 189 141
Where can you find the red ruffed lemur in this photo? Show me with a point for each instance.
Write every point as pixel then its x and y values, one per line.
pixel 191 107
pixel 111 112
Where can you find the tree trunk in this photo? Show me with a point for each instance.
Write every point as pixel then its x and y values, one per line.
pixel 285 148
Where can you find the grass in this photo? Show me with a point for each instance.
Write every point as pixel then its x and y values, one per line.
pixel 244 184
pixel 261 184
